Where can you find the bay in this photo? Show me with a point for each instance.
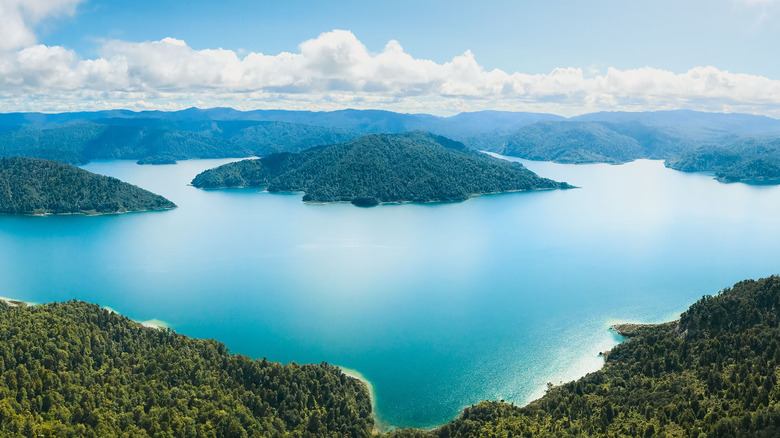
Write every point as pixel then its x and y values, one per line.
pixel 439 306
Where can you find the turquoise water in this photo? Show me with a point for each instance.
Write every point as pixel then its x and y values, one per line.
pixel 439 306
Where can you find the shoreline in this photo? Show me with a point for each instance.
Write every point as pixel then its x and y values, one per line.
pixel 380 426
pixel 264 189
pixel 628 330
pixel 622 330
pixel 625 330
pixel 433 202
pixel 84 213
pixel 153 323
pixel 16 303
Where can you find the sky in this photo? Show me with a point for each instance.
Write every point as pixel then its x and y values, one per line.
pixel 565 57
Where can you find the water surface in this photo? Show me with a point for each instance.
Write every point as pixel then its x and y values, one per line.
pixel 439 306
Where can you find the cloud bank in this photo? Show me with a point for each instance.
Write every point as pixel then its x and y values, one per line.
pixel 334 71
pixel 19 17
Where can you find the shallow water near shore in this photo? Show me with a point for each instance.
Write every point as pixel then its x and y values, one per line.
pixel 438 306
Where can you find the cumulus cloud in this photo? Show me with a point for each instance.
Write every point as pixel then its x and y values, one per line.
pixel 335 70
pixel 19 17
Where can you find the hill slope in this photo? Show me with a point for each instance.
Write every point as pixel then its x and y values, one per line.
pixel 160 140
pixel 746 160
pixel 570 142
pixel 74 369
pixel 34 186
pixel 407 167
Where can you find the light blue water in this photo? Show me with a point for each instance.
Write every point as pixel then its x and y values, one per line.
pixel 440 306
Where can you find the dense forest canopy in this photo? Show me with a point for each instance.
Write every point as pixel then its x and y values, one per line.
pixel 407 167
pixel 35 186
pixel 749 160
pixel 76 370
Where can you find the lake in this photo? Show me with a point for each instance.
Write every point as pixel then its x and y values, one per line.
pixel 439 306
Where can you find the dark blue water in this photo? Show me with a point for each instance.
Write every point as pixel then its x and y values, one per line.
pixel 439 306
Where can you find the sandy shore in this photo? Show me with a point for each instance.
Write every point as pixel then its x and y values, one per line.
pixel 150 323
pixel 154 323
pixel 379 425
pixel 14 302
pixel 630 329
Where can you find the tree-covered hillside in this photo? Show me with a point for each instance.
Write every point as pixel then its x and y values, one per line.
pixel 73 369
pixel 748 160
pixel 357 122
pixel 159 140
pixel 713 373
pixel 35 186
pixel 694 146
pixel 570 142
pixel 406 167
pixel 76 370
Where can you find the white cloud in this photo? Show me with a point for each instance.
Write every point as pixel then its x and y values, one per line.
pixel 19 17
pixel 335 70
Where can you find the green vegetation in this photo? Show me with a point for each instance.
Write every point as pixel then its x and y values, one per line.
pixel 731 156
pixel 406 167
pixel 713 373
pixel 683 138
pixel 34 186
pixel 157 159
pixel 157 141
pixel 73 369
pixel 76 370
pixel 579 142
pixel 570 142
pixel 745 160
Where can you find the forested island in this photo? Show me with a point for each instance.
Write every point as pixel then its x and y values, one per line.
pixel 157 160
pixel 74 369
pixel 37 186
pixel 377 168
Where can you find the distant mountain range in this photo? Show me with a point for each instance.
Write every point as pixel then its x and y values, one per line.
pixel 684 138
